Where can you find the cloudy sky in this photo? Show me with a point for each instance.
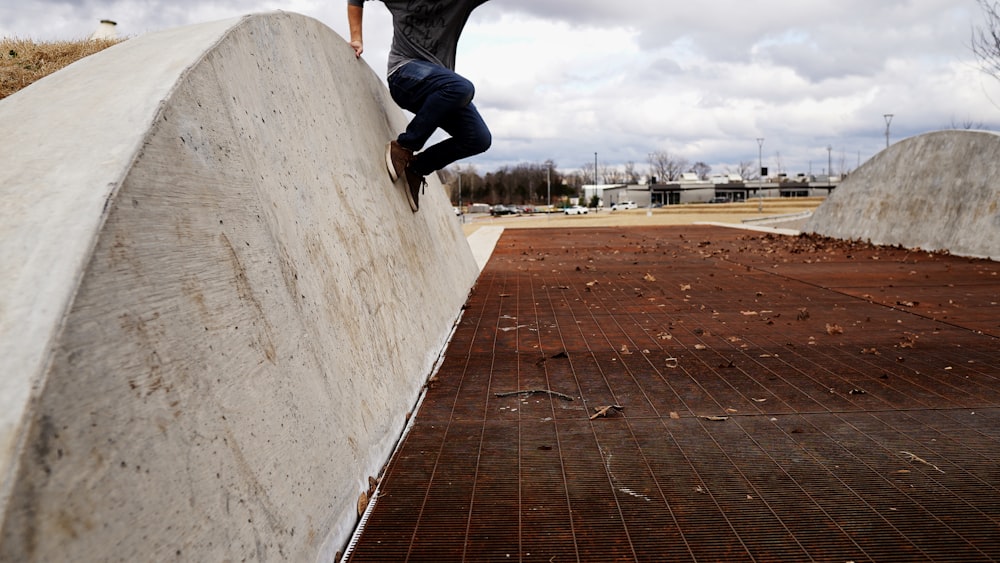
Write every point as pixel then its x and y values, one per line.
pixel 563 79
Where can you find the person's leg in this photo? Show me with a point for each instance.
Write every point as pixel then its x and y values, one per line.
pixel 469 136
pixel 434 95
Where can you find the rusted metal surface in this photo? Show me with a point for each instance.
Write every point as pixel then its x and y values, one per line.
pixel 783 399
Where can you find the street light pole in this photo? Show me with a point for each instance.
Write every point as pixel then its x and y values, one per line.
pixel 595 178
pixel 548 187
pixel 888 120
pixel 760 172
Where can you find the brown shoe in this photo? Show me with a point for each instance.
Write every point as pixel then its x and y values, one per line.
pixel 396 159
pixel 414 186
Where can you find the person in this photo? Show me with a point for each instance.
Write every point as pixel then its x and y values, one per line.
pixel 423 81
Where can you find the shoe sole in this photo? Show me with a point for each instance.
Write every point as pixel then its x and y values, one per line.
pixel 388 162
pixel 409 198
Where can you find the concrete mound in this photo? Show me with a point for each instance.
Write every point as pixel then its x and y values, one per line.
pixel 937 191
pixel 215 309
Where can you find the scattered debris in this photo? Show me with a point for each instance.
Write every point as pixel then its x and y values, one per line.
pixel 803 314
pixel 672 363
pixel 630 492
pixel 833 329
pixel 544 359
pixel 716 418
pixel 603 411
pixel 914 458
pixel 534 392
pixel 857 392
pixel 675 415
pixel 625 350
pixel 649 278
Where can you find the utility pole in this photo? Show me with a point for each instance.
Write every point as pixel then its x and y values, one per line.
pixel 548 188
pixel 595 179
pixel 760 171
pixel 888 120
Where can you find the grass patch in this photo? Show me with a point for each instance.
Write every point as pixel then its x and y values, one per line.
pixel 23 61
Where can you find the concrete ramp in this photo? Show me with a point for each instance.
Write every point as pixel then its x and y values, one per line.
pixel 938 191
pixel 215 310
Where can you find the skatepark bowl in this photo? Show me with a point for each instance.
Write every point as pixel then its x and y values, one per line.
pixel 225 336
pixel 782 399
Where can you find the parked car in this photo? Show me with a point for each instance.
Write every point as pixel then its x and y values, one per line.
pixel 718 199
pixel 503 210
pixel 575 210
pixel 624 205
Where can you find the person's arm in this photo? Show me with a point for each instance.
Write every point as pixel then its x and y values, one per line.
pixel 355 16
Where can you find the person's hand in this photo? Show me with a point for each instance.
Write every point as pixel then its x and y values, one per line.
pixel 358 48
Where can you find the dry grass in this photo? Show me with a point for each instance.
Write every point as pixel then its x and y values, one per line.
pixel 23 61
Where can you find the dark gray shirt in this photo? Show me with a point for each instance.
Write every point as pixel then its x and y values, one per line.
pixel 426 30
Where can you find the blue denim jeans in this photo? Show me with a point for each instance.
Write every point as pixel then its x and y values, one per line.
pixel 438 98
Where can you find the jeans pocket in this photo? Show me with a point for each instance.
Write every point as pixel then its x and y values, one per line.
pixel 407 84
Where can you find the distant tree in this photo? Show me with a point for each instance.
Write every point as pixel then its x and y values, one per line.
pixel 631 176
pixel 968 125
pixel 590 173
pixel 701 169
pixel 746 169
pixel 611 175
pixel 666 167
pixel 986 39
pixel 464 176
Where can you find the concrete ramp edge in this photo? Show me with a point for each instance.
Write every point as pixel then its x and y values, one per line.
pixel 939 191
pixel 216 311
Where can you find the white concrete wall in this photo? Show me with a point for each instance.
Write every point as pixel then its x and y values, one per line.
pixel 215 309
pixel 938 191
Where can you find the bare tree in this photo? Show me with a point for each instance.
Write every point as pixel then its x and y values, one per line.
pixel 746 169
pixel 611 174
pixel 986 39
pixel 631 176
pixel 701 169
pixel 968 124
pixel 666 167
